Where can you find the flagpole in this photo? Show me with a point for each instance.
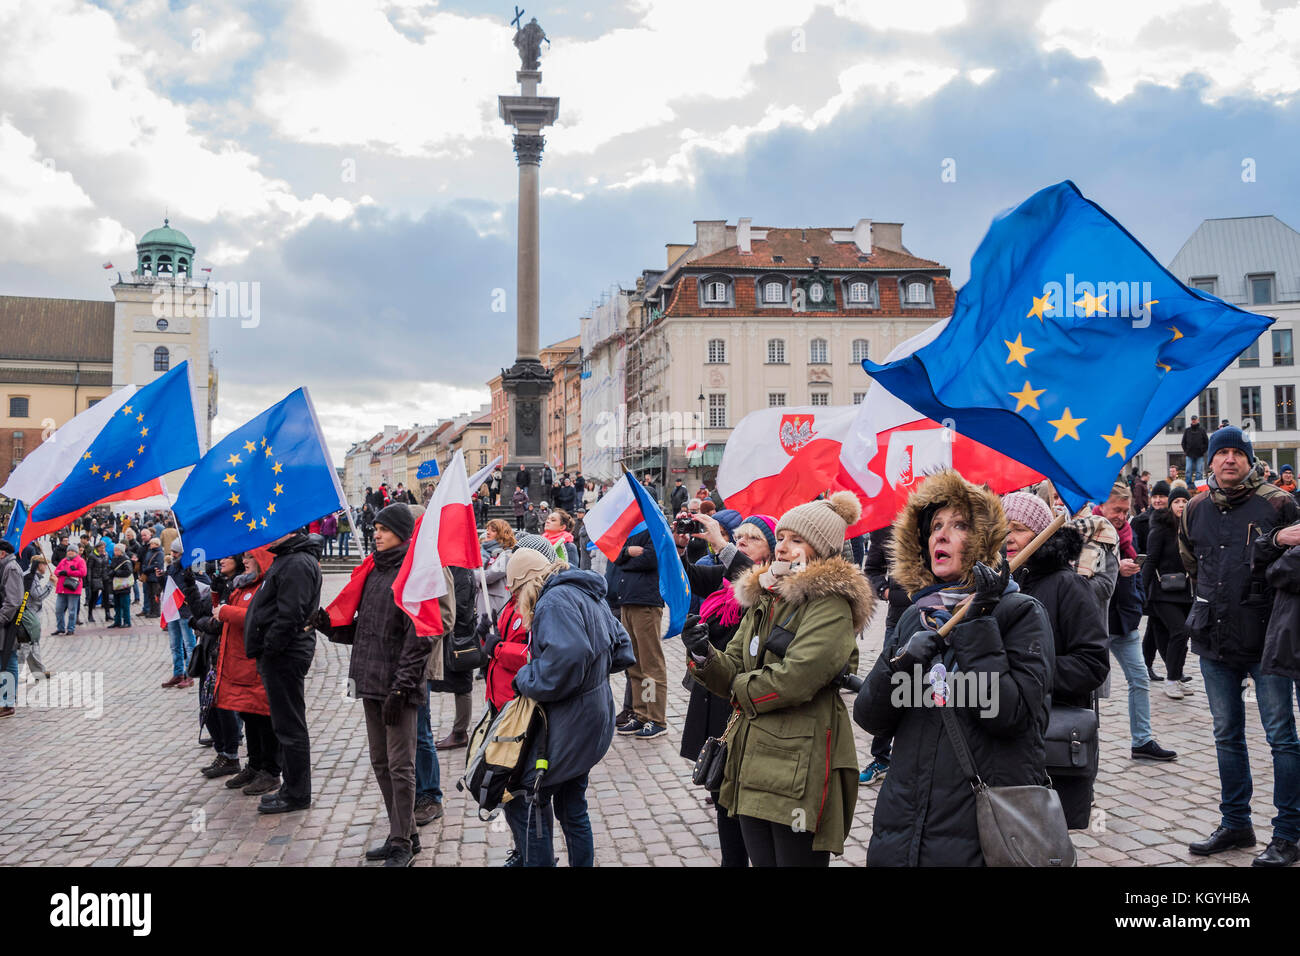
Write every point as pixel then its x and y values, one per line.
pixel 338 488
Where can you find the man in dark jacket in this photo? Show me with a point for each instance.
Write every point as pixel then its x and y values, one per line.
pixel 679 496
pixel 642 612
pixel 1195 443
pixel 1229 622
pixel 151 569
pixel 386 673
pixel 1141 493
pixel 565 496
pixel 279 636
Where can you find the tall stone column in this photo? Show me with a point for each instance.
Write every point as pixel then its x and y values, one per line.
pixel 527 382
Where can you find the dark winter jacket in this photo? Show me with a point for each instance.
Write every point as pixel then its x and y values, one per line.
pixel 1141 525
pixel 1282 640
pixel 531 524
pixel 289 595
pixel 519 500
pixel 575 645
pixel 678 499
pixel 151 564
pixel 97 567
pixel 1080 640
pixel 387 654
pixel 564 497
pixel 925 813
pixel 1195 441
pixel 640 584
pixel 1163 558
pixel 465 592
pixel 877 568
pixel 1232 598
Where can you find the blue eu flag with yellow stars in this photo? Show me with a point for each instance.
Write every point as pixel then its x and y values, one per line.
pixel 152 434
pixel 265 479
pixel 1071 346
pixel 674 588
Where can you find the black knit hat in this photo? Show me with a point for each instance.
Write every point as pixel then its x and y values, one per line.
pixel 1161 487
pixel 1179 492
pixel 1231 437
pixel 398 519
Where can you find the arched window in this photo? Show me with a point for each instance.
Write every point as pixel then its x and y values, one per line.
pixel 818 352
pixel 916 291
pixel 715 291
pixel 861 292
pixel 773 290
pixel 183 266
pixel 162 359
pixel 164 264
pixel 776 351
pixel 861 351
pixel 146 264
pixel 717 351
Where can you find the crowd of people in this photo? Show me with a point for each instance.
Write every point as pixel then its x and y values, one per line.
pixel 779 605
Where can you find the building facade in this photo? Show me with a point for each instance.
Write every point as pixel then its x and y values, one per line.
pixel 1252 262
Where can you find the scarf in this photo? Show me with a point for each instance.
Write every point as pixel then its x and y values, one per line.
pixel 1232 497
pixel 555 537
pixel 722 606
pixel 343 608
pixel 1125 531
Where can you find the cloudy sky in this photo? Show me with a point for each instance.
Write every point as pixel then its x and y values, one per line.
pixel 347 155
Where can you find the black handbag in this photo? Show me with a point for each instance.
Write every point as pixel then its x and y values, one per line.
pixel 711 764
pixel 1174 581
pixel 1071 740
pixel 462 653
pixel 204 656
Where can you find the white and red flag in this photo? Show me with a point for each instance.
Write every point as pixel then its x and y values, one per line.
pixel 614 518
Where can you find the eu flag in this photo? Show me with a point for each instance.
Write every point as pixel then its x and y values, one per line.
pixel 152 434
pixel 1071 346
pixel 17 521
pixel 673 586
pixel 265 479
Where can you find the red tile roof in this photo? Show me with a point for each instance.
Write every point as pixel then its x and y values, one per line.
pixel 796 246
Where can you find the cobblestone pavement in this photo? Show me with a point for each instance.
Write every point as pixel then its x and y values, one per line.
pixel 123 787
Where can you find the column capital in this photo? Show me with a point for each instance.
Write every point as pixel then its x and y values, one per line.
pixel 528 148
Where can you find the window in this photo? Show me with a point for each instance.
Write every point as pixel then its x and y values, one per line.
pixel 482 459
pixel 861 351
pixel 717 351
pixel 161 359
pixel 916 292
pixel 1250 407
pixel 1282 351
pixel 483 440
pixel 1205 284
pixel 776 351
pixel 1207 406
pixel 775 399
pixel 816 293
pixel 162 325
pixel 859 397
pixel 18 407
pixel 821 398
pixel 1176 425
pixel 817 352
pixel 1261 289
pixel 860 293
pixel 92 402
pixel 716 290
pixel 773 291
pixel 1250 357
pixel 1284 406
pixel 717 410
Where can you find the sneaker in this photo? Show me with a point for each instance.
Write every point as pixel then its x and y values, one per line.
pixel 261 783
pixel 221 767
pixel 58 632
pixel 242 778
pixel 874 773
pixel 632 726
pixel 427 810
pixel 1279 852
pixel 1174 689
pixel 650 729
pixel 1152 751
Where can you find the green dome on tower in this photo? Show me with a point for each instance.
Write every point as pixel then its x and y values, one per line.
pixel 165 251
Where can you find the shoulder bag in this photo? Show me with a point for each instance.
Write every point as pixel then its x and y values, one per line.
pixel 1071 739
pixel 1018 826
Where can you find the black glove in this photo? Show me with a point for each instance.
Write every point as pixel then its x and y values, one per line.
pixel 695 636
pixel 484 628
pixel 989 585
pixel 921 648
pixel 320 620
pixel 206 625
pixel 393 705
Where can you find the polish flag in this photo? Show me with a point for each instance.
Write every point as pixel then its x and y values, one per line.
pixel 611 520
pixel 696 446
pixel 890 448
pixel 445 536
pixel 108 265
pixel 172 599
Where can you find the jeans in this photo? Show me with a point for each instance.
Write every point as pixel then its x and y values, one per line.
pixel 1224 689
pixel 345 543
pixel 1127 649
pixel 182 637
pixel 427 773
pixel 122 608
pixel 532 826
pixel 329 545
pixel 1195 467
pixel 9 682
pixel 135 590
pixel 69 604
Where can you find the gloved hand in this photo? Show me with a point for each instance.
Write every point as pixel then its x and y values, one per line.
pixel 206 625
pixel 989 585
pixel 320 620
pixel 695 636
pixel 921 648
pixel 484 628
pixel 393 705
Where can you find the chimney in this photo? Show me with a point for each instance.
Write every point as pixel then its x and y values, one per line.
pixel 889 235
pixel 390 431
pixel 742 235
pixel 862 236
pixel 710 236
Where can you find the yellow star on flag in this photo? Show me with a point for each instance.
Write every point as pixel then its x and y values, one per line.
pixel 1018 351
pixel 1027 396
pixel 263 441
pixel 1118 443
pixel 268 451
pixel 131 463
pixel 1163 366
pixel 108 475
pixel 271 508
pixel 230 480
pixel 1041 304
pixel 239 516
pixel 277 467
pixel 263 522
pixel 140 450
pixel 126 410
pixel 1092 303
pixel 144 431
pixel 117 475
pixel 252 524
pixel 94 469
pixel 86 456
pixel 1177 335
pixel 234 498
pixel 235 459
pixel 140 417
pixel 250 446
pixel 279 489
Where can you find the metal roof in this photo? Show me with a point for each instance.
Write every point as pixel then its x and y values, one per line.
pixel 1231 249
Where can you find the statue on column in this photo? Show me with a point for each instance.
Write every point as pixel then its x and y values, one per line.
pixel 528 41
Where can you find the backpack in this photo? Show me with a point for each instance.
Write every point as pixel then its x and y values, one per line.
pixel 499 745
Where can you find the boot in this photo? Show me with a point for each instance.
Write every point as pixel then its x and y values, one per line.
pixel 242 778
pixel 221 767
pixel 262 783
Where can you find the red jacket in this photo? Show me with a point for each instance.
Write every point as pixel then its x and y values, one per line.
pixel 70 573
pixel 508 657
pixel 239 686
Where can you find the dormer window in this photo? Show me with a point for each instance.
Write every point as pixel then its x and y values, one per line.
pixel 861 292
pixel 917 292
pixel 716 291
pixel 778 258
pixel 774 290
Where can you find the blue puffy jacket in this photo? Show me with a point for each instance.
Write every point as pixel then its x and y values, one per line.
pixel 575 645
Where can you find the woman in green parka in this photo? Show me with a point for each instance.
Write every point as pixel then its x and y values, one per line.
pixel 792 770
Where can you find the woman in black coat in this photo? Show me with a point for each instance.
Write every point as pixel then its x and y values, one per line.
pixel 998 668
pixel 1167 609
pixel 1082 656
pixel 707 714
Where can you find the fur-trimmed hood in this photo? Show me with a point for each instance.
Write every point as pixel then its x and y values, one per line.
pixel 909 560
pixel 825 577
pixel 1057 553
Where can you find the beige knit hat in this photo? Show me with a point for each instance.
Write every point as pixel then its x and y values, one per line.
pixel 523 566
pixel 823 523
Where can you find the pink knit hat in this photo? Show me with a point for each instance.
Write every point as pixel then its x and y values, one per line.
pixel 1030 510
